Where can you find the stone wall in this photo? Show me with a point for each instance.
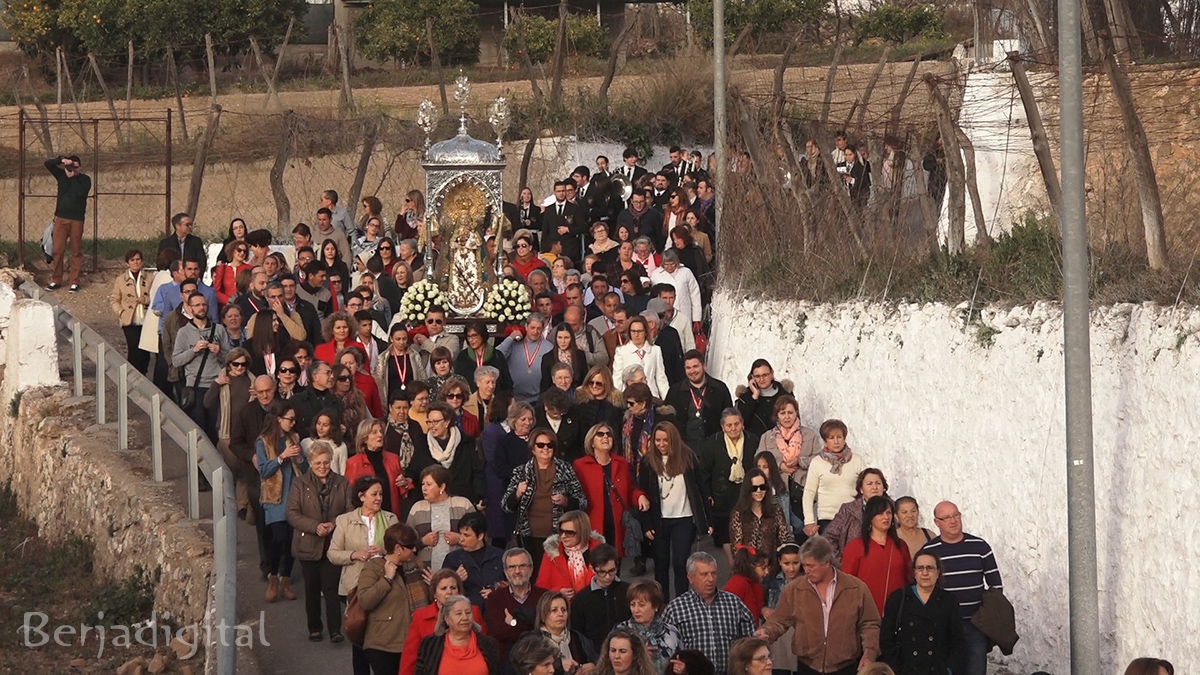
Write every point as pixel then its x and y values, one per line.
pixel 973 412
pixel 69 478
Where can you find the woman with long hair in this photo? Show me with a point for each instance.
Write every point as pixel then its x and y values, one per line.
pixel 607 481
pixel 327 428
pixel 750 569
pixel 847 524
pixel 525 258
pixel 690 254
pixel 678 513
pixel 637 298
pixel 921 632
pixel 596 400
pixel 402 364
pixel 624 653
pixel 387 256
pixel 878 556
pixel 676 208
pixel 566 351
pixel 410 222
pixel 354 404
pixel 756 520
pixel 267 343
pixel 370 460
pixel 331 255
pixel 511 427
pixel 402 277
pixel 236 232
pixel 529 214
pixel 367 246
pixel 279 461
pixel 697 225
pixel 372 208
pixel 540 491
pixel 575 650
pixel 231 392
pixel 766 463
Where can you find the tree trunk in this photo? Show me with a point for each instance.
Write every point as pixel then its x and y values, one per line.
pixel 613 56
pixel 956 180
pixel 1041 146
pixel 174 71
pixel 894 122
pixel 830 79
pixel 262 69
pixel 201 161
pixel 283 205
pixel 344 58
pixel 437 66
pixel 370 138
pixel 212 67
pixel 866 98
pixel 982 238
pixel 1143 166
pixel 519 19
pixel 560 56
pixel 112 107
pixel 279 61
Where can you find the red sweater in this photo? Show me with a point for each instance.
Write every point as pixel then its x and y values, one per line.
pixel 887 568
pixel 360 465
pixel 750 591
pixel 423 622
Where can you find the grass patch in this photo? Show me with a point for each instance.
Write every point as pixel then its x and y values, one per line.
pixel 110 249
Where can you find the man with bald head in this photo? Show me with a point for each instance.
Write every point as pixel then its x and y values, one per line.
pixel 970 567
pixel 587 338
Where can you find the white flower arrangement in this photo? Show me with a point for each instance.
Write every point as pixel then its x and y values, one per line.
pixel 418 300
pixel 508 301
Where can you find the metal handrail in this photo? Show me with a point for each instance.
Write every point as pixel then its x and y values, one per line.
pixel 202 456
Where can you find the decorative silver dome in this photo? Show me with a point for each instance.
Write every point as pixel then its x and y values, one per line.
pixel 463 150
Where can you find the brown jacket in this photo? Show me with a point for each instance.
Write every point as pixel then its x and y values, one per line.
pixel 350 535
pixel 125 296
pixel 389 604
pixel 304 512
pixel 853 624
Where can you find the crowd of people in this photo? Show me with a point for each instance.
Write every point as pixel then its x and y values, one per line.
pixel 467 503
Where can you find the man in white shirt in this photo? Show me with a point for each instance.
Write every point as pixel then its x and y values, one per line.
pixel 687 290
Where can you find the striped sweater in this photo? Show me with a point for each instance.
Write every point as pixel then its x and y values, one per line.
pixel 970 568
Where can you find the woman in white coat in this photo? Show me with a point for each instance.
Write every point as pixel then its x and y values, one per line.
pixel 639 351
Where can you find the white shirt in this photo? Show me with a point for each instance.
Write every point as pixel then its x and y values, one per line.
pixel 649 357
pixel 673 495
pixel 687 291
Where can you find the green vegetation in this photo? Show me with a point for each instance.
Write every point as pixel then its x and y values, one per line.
pixel 395 30
pixel 898 25
pixel 585 37
pixel 764 16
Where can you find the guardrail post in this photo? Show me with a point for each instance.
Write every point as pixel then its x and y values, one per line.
pixel 101 382
pixel 193 474
pixel 123 407
pixel 77 355
pixel 225 563
pixel 156 435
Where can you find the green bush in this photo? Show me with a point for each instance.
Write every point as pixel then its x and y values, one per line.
pixel 896 24
pixel 765 16
pixel 584 37
pixel 395 30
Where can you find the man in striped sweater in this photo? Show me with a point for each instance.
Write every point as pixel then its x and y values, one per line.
pixel 970 568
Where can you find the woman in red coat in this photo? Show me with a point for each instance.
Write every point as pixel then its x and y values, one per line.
pixel 337 331
pixel 879 557
pixel 566 565
pixel 371 460
pixel 443 584
pixel 608 483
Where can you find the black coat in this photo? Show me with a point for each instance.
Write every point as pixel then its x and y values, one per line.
pixel 570 433
pixel 648 482
pixel 575 219
pixel 759 414
pixel 671 345
pixel 579 367
pixel 714 470
pixel 308 319
pixel 920 639
pixel 594 412
pixel 309 402
pixel 429 653
pixel 714 398
pixel 193 248
pixel 649 224
pixel 466 469
pixel 594 612
pixel 465 365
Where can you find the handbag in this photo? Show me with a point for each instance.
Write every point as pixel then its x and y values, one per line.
pixel 629 521
pixel 354 622
pixel 187 397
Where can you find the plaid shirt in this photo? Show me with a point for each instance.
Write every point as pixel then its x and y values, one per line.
pixel 710 627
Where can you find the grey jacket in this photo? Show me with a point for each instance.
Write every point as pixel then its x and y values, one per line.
pixel 342 220
pixel 184 355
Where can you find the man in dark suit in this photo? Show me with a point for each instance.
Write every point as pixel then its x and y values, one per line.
pixel 183 242
pixel 554 412
pixel 642 220
pixel 679 166
pixel 563 223
pixel 630 169
pixel 661 193
pixel 587 195
pixel 601 166
pixel 667 339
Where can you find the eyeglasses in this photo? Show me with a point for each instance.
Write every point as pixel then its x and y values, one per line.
pixel 386 248
pixel 335 282
pixel 237 364
pixel 758 488
pixel 926 568
pixel 411 547
pixel 953 516
pixel 430 420
pixel 605 433
pixel 611 572
pixel 765 658
pixel 566 531
pixel 290 419
pixel 543 445
pixel 343 378
pixel 289 371
pixel 521 566
pixel 455 395
pixel 633 404
pixel 434 322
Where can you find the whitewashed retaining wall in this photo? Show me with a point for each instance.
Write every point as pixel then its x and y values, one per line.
pixel 952 413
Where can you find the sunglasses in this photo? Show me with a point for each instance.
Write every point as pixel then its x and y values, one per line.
pixel 335 282
pixel 289 371
pixel 543 445
pixel 758 488
pixel 385 248
pixel 434 322
pixel 596 383
pixel 630 404
pixel 455 396
pixel 343 378
pixel 563 530
pixel 237 364
pixel 605 433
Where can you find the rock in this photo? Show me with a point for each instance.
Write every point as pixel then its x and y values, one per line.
pixel 186 670
pixel 136 666
pixel 78 663
pixel 183 650
pixel 158 664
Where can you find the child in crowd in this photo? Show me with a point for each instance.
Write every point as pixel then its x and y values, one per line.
pixel 750 568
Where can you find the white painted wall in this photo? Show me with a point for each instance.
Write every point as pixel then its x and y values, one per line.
pixel 31 349
pixel 946 417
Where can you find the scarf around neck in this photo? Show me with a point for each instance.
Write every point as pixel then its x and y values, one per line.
pixel 575 560
pixel 445 455
pixel 789 444
pixel 737 473
pixel 837 460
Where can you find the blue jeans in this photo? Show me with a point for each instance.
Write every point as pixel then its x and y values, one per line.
pixel 973 659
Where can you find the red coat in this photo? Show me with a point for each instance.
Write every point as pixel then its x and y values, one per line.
pixel 887 568
pixel 359 465
pixel 624 494
pixel 225 282
pixel 327 352
pixel 751 593
pixel 524 269
pixel 470 426
pixel 423 622
pixel 370 391
pixel 555 571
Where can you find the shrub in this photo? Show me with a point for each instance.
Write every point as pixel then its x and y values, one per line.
pixel 764 15
pixel 395 30
pixel 585 37
pixel 896 24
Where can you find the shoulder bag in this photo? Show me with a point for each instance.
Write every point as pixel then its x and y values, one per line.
pixel 187 398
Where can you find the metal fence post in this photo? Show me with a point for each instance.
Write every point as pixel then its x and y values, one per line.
pixel 77 355
pixel 123 407
pixel 101 382
pixel 193 474
pixel 156 436
pixel 225 563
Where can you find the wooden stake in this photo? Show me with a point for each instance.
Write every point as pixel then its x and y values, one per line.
pixel 279 60
pixel 74 101
pixel 519 19
pixel 894 122
pixel 43 117
pixel 37 131
pixel 829 82
pixel 201 160
pixel 112 107
pixel 178 94
pixel 982 238
pixel 58 81
pixel 283 205
pixel 437 66
pixel 344 54
pixel 212 68
pixel 370 138
pixel 866 97
pixel 955 171
pixel 268 78
pixel 1041 145
pixel 614 56
pixel 560 56
pixel 129 84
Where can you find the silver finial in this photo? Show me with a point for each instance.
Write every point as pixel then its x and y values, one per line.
pixel 462 92
pixel 427 117
pixel 499 119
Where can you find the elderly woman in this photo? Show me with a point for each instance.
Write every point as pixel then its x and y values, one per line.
pixel 370 460
pixel 641 415
pixel 646 604
pixel 566 564
pixel 357 538
pixel 607 481
pixel 316 500
pixel 130 300
pixel 509 450
pixel 231 318
pixel 535 654
pixel 725 458
pixel 639 351
pixel 448 446
pixel 436 517
pixel 750 656
pixel 401 365
pixel 279 459
pixel 411 254
pixel 574 650
pixel 678 514
pixel 921 632
pixel 793 444
pixel 540 492
pixel 455 393
pixel 847 524
pixel 831 477
pixel 624 653
pixel 458 645
pixel 484 397
pixel 443 585
pixel 339 333
pixel 390 588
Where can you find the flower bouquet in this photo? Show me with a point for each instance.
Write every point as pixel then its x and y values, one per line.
pixel 418 299
pixel 508 301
